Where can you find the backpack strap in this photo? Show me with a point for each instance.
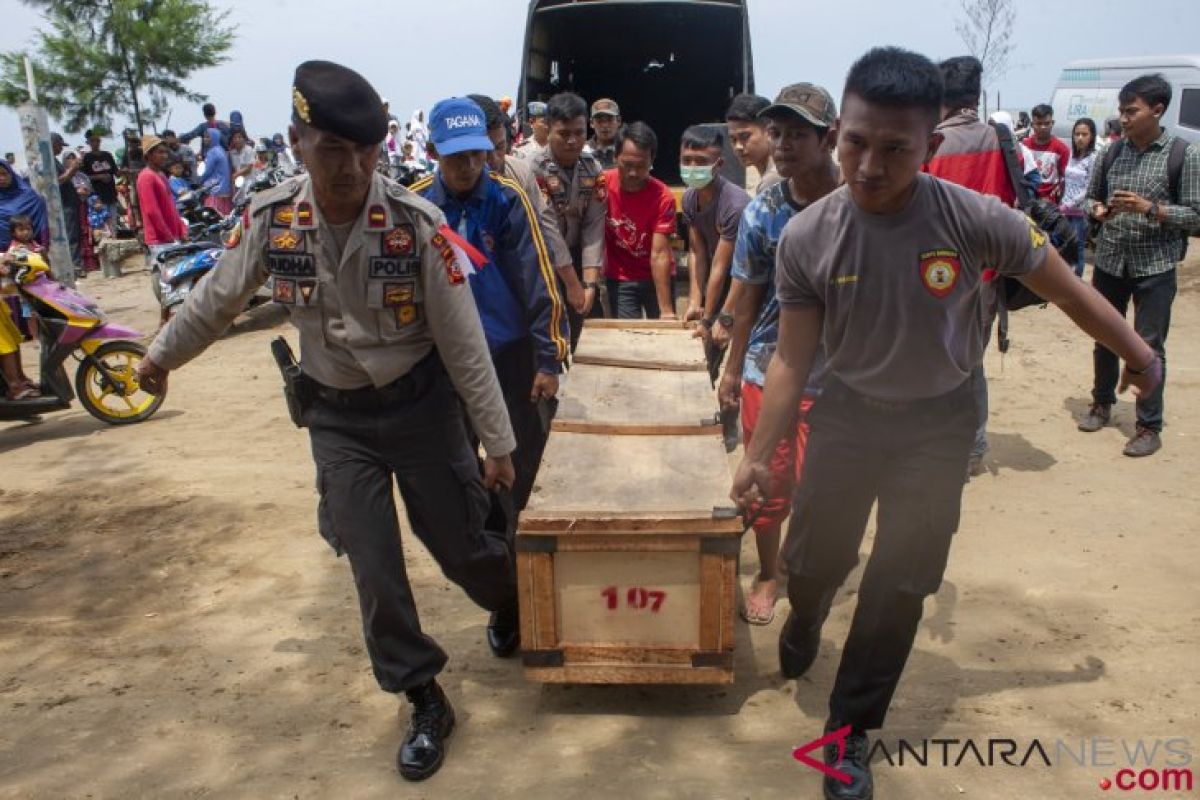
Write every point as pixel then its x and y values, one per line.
pixel 1110 156
pixel 1175 168
pixel 1015 175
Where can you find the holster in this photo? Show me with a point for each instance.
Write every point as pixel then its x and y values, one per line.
pixel 298 389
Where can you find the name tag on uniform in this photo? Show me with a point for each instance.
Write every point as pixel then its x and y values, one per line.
pixel 389 267
pixel 292 264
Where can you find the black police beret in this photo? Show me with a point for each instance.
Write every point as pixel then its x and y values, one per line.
pixel 338 100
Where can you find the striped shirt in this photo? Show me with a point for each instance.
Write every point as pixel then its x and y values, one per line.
pixel 1131 245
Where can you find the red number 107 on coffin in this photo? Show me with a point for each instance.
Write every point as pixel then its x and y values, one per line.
pixel 636 597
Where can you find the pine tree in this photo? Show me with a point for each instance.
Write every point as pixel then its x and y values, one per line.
pixel 98 59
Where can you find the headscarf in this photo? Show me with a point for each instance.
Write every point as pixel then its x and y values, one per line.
pixel 216 165
pixel 20 198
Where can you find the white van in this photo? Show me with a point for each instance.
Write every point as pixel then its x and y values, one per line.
pixel 1089 88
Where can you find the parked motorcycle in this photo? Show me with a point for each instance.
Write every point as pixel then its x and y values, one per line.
pixel 70 324
pixel 177 270
pixel 199 217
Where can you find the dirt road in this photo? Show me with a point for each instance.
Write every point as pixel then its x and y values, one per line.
pixel 171 625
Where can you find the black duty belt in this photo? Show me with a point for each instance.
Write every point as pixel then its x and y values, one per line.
pixel 403 390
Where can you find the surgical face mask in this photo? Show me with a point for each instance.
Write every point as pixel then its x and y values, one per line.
pixel 696 177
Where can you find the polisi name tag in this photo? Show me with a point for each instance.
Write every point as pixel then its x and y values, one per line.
pixel 293 264
pixel 389 267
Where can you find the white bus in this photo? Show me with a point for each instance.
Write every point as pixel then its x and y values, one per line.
pixel 1089 88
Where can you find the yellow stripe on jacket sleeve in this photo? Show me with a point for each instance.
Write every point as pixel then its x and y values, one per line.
pixel 421 185
pixel 539 244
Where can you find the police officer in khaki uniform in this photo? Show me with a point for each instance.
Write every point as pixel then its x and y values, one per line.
pixel 573 183
pixel 390 340
pixel 535 143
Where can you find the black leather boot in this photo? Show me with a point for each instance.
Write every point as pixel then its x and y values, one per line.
pixel 424 747
pixel 504 632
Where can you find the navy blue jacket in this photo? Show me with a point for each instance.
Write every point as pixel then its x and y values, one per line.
pixel 517 291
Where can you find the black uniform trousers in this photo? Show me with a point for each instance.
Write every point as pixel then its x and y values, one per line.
pixel 515 370
pixel 412 430
pixel 911 458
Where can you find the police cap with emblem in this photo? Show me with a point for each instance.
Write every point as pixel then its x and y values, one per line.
pixel 338 100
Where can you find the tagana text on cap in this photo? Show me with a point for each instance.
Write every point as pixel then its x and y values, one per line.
pixel 605 106
pixel 456 125
pixel 809 101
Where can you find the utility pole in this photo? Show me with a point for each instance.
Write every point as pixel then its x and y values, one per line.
pixel 35 133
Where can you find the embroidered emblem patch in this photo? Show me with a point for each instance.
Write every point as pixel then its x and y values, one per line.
pixel 233 237
pixel 399 241
pixel 283 215
pixel 384 267
pixel 939 271
pixel 304 292
pixel 398 294
pixel 1037 239
pixel 284 291
pixel 376 217
pixel 304 213
pixel 287 240
pixel 291 265
pixel 406 314
pixel 453 271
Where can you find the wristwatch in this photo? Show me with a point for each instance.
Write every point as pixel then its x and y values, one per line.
pixel 1152 211
pixel 726 319
pixel 590 285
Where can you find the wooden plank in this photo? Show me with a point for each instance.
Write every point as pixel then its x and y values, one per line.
pixel 634 324
pixel 647 600
pixel 710 601
pixel 626 655
pixel 545 615
pixel 634 429
pixel 646 349
pixel 625 399
pixel 621 542
pixel 624 674
pixel 617 478
pixel 525 599
pixel 729 568
pixel 601 521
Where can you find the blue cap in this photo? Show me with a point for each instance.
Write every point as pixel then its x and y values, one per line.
pixel 456 125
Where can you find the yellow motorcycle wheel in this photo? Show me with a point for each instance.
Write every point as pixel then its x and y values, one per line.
pixel 125 403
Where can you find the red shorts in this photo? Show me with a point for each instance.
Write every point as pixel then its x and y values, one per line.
pixel 786 462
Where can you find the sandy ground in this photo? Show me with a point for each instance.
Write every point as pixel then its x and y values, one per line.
pixel 172 626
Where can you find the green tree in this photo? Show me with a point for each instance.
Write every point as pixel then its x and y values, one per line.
pixel 101 58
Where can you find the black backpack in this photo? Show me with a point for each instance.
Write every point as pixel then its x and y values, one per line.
pixel 1012 294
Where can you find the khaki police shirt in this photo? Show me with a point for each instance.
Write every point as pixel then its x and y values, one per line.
pixel 521 171
pixel 529 149
pixel 367 314
pixel 579 199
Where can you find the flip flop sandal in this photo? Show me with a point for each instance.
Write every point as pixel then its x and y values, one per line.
pixel 25 393
pixel 753 616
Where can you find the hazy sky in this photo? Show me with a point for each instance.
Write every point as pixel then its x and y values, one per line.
pixel 460 46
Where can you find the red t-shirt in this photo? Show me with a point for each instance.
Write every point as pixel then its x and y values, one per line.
pixel 161 223
pixel 1052 160
pixel 630 225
